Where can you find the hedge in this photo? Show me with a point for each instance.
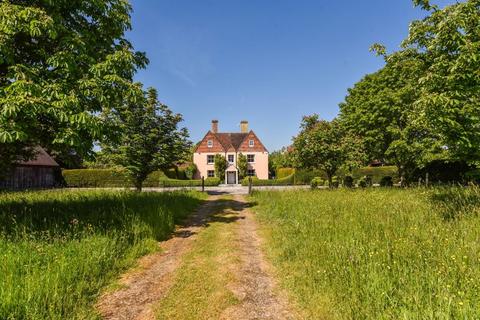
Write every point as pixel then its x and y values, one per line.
pixel 284 172
pixel 287 181
pixel 305 176
pixel 377 173
pixel 93 178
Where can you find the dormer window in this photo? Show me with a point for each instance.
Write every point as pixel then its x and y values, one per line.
pixel 210 143
pixel 251 143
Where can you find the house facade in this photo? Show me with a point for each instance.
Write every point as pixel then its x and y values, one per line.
pixel 231 145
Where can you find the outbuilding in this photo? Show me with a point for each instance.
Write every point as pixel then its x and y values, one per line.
pixel 41 172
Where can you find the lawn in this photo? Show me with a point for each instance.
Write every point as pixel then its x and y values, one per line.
pixel 60 249
pixel 376 253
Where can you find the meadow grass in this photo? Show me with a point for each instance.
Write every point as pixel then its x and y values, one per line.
pixel 376 253
pixel 60 249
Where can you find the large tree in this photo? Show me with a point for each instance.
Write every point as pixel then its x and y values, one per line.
pixel 322 145
pixel 149 138
pixel 380 109
pixel 62 64
pixel 448 40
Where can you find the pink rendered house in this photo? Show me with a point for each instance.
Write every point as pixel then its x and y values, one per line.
pixel 230 145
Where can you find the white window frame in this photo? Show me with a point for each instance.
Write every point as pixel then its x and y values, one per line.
pixel 233 158
pixel 213 159
pixel 251 173
pixel 251 143
pixel 212 172
pixel 210 143
pixel 253 158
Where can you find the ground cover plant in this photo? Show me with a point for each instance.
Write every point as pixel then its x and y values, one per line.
pixel 383 253
pixel 59 249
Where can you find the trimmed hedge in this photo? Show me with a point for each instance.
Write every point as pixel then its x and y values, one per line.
pixel 284 172
pixel 376 173
pixel 305 176
pixel 111 178
pixel 287 181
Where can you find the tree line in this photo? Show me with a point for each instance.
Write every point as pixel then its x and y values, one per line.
pixel 422 107
pixel 66 83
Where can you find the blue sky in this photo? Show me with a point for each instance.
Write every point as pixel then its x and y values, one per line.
pixel 266 61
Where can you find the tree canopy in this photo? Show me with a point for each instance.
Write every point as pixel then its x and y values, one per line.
pixel 63 64
pixel 149 138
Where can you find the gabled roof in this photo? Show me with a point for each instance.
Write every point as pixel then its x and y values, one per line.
pixel 42 159
pixel 231 140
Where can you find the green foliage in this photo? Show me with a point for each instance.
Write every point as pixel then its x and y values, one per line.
pixel 386 181
pixel 221 165
pixel 60 249
pixel 316 182
pixel 149 139
pixel 304 176
pixel 448 43
pixel 100 178
pixel 362 182
pixel 287 181
pixel 375 253
pixel 348 181
pixel 279 159
pixel 63 65
pixel 324 145
pixel 376 173
pixel 284 172
pixel 242 165
pixel 473 176
pixel 191 170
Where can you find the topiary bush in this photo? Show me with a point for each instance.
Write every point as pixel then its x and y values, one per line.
pixel 386 181
pixel 362 183
pixel 316 182
pixel 348 181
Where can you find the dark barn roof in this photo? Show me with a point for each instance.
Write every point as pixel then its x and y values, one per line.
pixel 42 159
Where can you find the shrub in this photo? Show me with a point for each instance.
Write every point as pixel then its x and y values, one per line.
pixel 284 172
pixel 386 181
pixel 191 170
pixel 348 181
pixel 473 176
pixel 304 176
pixel 376 173
pixel 273 182
pixel 92 178
pixel 316 182
pixel 362 183
pixel 110 178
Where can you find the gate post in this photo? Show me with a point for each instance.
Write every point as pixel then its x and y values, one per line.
pixel 203 184
pixel 249 185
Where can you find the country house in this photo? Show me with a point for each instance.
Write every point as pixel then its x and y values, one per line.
pixel 231 145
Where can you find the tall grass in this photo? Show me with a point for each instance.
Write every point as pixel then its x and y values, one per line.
pixel 59 249
pixel 377 254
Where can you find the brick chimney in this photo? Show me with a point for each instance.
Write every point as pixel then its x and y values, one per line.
pixel 244 126
pixel 215 126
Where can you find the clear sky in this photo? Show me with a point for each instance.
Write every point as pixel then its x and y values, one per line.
pixel 266 61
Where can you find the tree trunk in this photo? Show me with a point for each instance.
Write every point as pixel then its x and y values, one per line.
pixel 138 185
pixel 330 176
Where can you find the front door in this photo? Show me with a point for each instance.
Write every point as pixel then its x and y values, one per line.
pixel 231 177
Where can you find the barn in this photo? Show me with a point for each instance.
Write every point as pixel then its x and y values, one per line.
pixel 41 172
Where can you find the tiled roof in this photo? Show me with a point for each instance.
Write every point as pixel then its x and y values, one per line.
pixel 42 159
pixel 231 139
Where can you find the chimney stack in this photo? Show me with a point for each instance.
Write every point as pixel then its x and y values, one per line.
pixel 215 126
pixel 244 126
